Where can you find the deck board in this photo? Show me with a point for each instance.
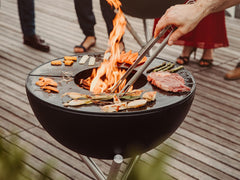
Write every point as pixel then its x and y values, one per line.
pixel 205 146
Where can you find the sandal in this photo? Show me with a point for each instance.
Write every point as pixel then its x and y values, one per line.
pixel 205 62
pixel 85 49
pixel 182 60
pixel 185 59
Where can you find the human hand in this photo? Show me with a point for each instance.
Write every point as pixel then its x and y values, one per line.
pixel 185 17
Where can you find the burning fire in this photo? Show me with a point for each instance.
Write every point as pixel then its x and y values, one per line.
pixel 108 73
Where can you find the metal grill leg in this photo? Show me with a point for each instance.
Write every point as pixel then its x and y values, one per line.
pixel 114 170
pixel 145 29
pixel 130 166
pixel 93 167
pixel 134 34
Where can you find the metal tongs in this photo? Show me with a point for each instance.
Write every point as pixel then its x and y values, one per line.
pixel 142 53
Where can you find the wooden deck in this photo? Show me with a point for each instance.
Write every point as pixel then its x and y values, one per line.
pixel 207 144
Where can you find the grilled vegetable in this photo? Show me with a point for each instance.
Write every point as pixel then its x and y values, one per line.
pixel 77 102
pixel 161 65
pixel 175 69
pixel 150 96
pixel 135 92
pixel 137 103
pixel 102 97
pixel 169 67
pixel 114 107
pixel 75 95
pixel 129 98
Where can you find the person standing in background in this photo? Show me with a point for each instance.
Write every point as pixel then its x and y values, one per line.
pixel 27 20
pixel 86 19
pixel 209 34
pixel 187 16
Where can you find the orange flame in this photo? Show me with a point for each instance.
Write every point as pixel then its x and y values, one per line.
pixel 108 73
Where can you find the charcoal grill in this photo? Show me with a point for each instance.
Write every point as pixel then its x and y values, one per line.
pixel 89 131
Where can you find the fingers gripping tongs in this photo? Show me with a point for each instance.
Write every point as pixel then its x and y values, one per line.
pixel 142 53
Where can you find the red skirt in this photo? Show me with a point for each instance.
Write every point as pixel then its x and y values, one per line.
pixel 210 33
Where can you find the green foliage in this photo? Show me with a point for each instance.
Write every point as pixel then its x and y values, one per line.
pixel 153 171
pixel 12 165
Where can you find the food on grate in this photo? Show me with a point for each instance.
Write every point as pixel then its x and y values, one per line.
pixel 50 89
pixel 70 58
pixel 130 58
pixel 91 61
pixel 165 67
pixel 114 107
pixel 150 96
pixel 110 102
pixel 77 102
pixel 75 95
pixel 68 62
pixel 176 69
pixel 103 97
pixel 47 84
pixel 135 92
pixel 56 63
pixel 137 103
pixel 132 95
pixel 166 81
pixel 42 81
pixel 83 59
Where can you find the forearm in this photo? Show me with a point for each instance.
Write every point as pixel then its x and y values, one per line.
pixel 187 16
pixel 211 6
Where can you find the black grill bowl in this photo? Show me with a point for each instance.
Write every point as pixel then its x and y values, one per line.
pixel 148 8
pixel 94 133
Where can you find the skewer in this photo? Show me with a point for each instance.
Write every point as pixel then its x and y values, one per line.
pixel 142 53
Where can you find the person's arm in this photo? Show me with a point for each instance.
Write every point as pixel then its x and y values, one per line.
pixel 187 16
pixel 212 6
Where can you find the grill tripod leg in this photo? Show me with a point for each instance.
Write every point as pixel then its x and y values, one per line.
pixel 134 34
pixel 114 169
pixel 93 167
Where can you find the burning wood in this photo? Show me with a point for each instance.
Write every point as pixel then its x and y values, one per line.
pixel 84 83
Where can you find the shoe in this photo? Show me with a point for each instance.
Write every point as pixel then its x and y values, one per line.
pixel 205 62
pixel 80 48
pixel 233 74
pixel 36 42
pixel 185 59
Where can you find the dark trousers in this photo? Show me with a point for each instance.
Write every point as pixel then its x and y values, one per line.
pixel 26 16
pixel 86 18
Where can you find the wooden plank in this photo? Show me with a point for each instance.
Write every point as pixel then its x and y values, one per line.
pixel 204 149
pixel 13 106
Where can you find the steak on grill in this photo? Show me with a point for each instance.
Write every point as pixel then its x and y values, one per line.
pixel 167 81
